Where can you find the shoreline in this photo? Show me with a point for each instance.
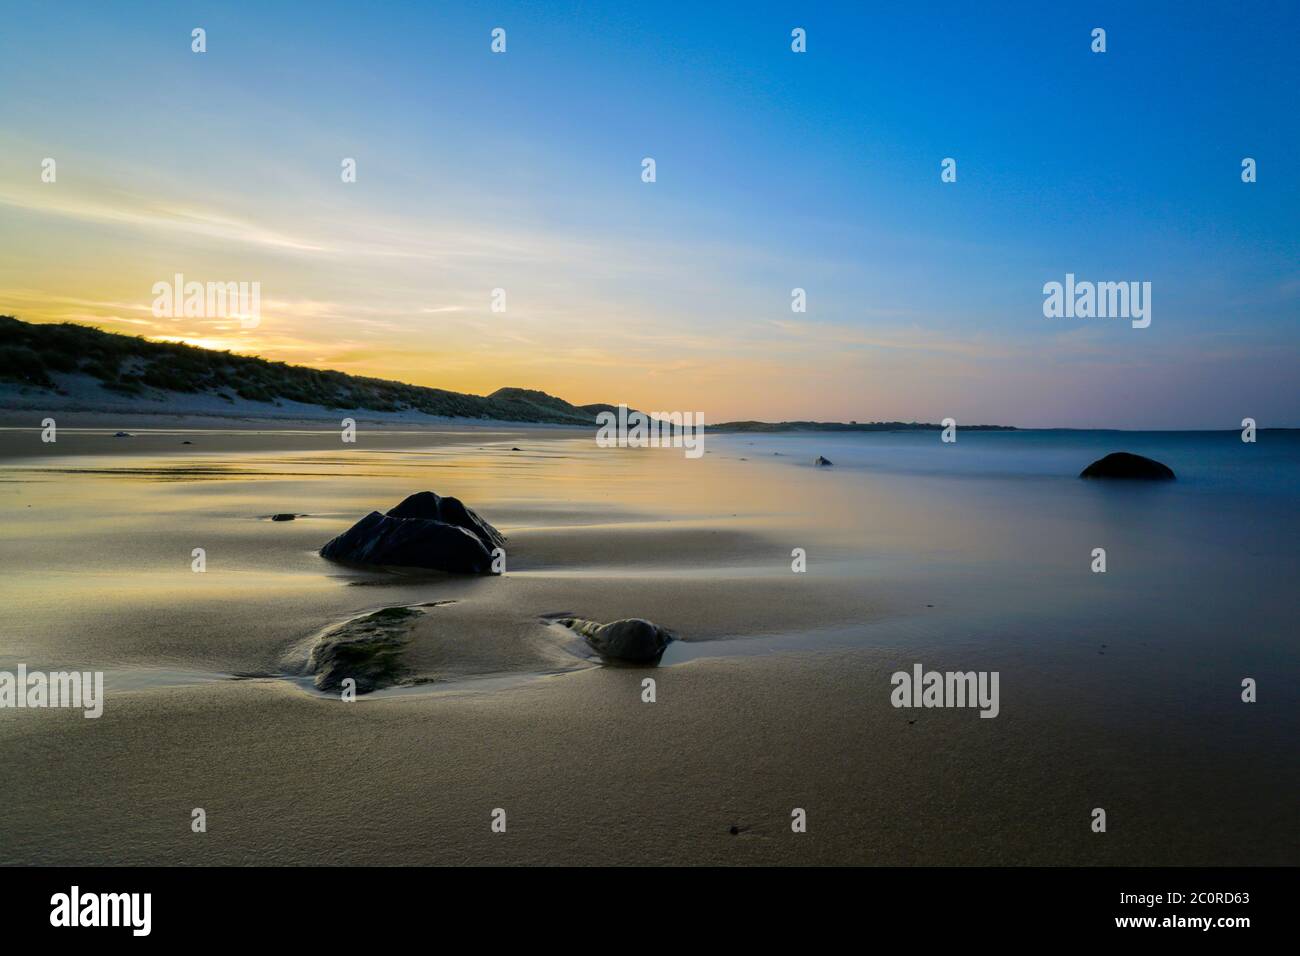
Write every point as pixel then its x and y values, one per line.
pixel 1116 691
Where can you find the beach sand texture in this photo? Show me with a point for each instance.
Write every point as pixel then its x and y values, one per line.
pixel 1118 691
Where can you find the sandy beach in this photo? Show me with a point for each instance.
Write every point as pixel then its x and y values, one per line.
pixel 439 436
pixel 775 697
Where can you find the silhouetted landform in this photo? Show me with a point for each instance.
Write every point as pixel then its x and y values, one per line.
pixel 822 461
pixel 33 355
pixel 633 640
pixel 424 531
pixel 1122 464
pixel 848 427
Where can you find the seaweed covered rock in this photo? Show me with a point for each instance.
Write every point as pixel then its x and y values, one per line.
pixel 424 531
pixel 367 649
pixel 1122 464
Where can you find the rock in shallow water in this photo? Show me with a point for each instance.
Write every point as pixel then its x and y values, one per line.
pixel 633 640
pixel 424 531
pixel 367 649
pixel 1122 464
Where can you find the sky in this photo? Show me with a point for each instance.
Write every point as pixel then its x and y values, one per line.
pixel 775 170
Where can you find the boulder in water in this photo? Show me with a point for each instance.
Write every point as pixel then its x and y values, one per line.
pixel 1122 464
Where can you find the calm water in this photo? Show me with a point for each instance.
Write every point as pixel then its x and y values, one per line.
pixel 994 535
pixel 984 545
pixel 1203 461
pixel 973 556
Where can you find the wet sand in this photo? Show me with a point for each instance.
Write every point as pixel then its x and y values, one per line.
pixel 589 774
pixel 778 696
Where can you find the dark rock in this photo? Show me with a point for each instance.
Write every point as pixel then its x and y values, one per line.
pixel 516 449
pixel 432 507
pixel 1121 464
pixel 122 435
pixel 822 462
pixel 283 517
pixel 410 542
pixel 187 443
pixel 632 639
pixel 424 531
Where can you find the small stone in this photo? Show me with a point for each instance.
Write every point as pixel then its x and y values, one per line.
pixel 633 639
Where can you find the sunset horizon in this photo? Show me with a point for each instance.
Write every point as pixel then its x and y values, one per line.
pixel 635 437
pixel 863 418
pixel 444 222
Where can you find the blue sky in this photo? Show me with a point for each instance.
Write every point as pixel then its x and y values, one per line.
pixel 775 170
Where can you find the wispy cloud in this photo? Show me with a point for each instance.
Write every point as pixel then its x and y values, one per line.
pixel 143 213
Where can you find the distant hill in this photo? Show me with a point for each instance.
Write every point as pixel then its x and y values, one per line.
pixel 848 427
pixel 35 356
